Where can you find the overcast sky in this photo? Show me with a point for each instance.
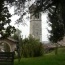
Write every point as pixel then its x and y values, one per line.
pixel 26 28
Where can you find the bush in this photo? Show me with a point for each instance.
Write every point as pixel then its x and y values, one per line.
pixel 31 47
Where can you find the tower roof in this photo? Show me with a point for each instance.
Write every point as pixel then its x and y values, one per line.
pixel 32 8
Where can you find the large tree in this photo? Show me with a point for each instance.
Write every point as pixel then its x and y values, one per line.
pixel 17 36
pixel 57 32
pixel 55 9
pixel 5 28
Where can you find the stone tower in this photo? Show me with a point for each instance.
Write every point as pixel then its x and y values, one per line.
pixel 36 27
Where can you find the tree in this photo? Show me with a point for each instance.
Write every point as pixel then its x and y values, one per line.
pixel 56 14
pixel 57 32
pixel 32 47
pixel 19 8
pixel 5 28
pixel 17 36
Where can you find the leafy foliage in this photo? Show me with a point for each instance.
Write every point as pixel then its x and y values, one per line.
pixel 5 28
pixel 28 47
pixel 57 32
pixel 16 35
pixel 32 48
pixel 55 9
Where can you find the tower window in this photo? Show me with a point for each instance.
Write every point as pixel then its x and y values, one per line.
pixel 37 15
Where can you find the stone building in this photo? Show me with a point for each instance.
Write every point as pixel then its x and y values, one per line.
pixel 11 43
pixel 35 25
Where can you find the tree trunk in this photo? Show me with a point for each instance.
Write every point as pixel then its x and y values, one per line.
pixel 56 49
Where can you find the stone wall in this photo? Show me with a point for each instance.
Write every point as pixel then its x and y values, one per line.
pixel 36 27
pixel 11 44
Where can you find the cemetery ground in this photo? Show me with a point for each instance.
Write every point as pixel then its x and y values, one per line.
pixel 46 59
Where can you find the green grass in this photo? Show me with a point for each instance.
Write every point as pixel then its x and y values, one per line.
pixel 49 59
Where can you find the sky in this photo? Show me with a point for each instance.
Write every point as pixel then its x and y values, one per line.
pixel 26 28
pixel 45 26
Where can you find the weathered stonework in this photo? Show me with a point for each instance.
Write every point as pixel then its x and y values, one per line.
pixel 12 43
pixel 36 27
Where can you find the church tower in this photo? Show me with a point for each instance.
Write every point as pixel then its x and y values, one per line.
pixel 36 26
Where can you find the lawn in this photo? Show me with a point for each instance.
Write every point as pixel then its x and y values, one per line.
pixel 49 59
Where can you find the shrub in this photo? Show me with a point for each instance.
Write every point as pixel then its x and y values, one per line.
pixel 32 47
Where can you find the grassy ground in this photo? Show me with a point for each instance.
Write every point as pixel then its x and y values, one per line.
pixel 49 59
